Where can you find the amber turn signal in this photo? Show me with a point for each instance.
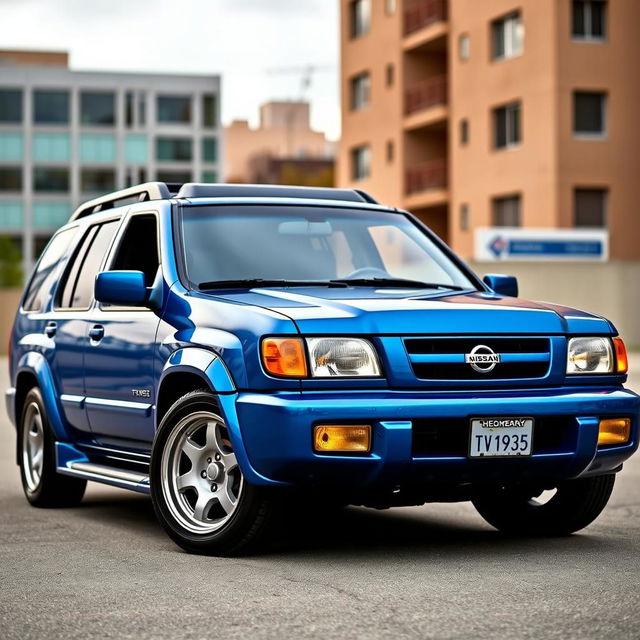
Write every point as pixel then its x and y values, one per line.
pixel 342 438
pixel 284 357
pixel 614 431
pixel 622 362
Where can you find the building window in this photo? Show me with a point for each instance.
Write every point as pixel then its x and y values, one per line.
pixel 210 176
pixel 506 124
pixel 98 148
pixel 174 149
pixel 590 207
pixel 135 149
pixel 506 212
pixel 51 147
pixel 97 180
pixel 464 217
pixel 464 131
pixel 98 108
pixel 209 111
pixel 589 117
pixel 390 7
pixel 507 36
pixel 359 17
pixel 390 75
pixel 390 151
pixel 10 179
pixel 142 109
pixel 50 107
pixel 360 162
pixel 129 109
pixel 11 146
pixel 360 91
pixel 51 180
pixel 174 109
pixel 10 105
pixel 464 46
pixel 589 20
pixel 209 150
pixel 178 177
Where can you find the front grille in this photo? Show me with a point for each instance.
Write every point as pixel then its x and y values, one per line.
pixel 444 358
pixel 449 437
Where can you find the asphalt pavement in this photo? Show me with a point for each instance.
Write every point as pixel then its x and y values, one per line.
pixel 106 570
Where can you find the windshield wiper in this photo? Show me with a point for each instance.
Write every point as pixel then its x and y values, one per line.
pixel 397 282
pixel 248 283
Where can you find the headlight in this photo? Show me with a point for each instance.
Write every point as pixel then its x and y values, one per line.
pixel 342 357
pixel 590 355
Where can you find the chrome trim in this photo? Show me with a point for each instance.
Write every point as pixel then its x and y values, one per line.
pixel 103 471
pixel 118 404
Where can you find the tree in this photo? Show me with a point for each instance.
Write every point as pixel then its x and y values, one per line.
pixel 10 263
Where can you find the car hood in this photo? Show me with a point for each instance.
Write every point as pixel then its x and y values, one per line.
pixel 326 310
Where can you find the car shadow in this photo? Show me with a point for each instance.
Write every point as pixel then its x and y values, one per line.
pixel 360 533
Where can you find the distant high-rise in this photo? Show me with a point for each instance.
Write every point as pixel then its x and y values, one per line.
pixel 513 113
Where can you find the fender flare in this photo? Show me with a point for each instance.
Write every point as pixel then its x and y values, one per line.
pixel 36 364
pixel 214 373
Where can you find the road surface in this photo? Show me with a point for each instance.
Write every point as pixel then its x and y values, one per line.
pixel 107 570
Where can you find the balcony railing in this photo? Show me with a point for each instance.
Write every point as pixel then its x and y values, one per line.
pixel 422 13
pixel 425 176
pixel 425 94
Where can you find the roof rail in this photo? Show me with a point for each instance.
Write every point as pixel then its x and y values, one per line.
pixel 139 193
pixel 196 190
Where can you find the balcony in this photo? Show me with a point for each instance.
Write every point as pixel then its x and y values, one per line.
pixel 426 184
pixel 419 14
pixel 425 103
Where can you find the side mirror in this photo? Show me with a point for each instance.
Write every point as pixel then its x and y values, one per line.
pixel 125 288
pixel 504 285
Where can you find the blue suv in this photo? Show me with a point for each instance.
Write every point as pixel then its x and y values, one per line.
pixel 231 348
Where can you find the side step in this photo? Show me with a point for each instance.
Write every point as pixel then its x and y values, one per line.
pixel 72 462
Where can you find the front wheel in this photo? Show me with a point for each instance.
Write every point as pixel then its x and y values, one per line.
pixel 575 504
pixel 199 493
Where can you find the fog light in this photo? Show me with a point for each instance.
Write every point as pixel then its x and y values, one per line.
pixel 614 431
pixel 342 438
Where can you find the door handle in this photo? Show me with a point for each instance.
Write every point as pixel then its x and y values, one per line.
pixel 50 329
pixel 96 332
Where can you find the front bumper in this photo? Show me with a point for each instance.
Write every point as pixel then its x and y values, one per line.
pixel 276 436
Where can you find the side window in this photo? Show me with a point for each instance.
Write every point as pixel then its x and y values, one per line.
pixel 77 292
pixel 138 249
pixel 46 270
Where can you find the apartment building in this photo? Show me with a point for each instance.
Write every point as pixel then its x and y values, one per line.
pixel 67 136
pixel 499 113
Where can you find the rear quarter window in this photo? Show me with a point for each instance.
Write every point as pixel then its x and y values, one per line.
pixel 46 270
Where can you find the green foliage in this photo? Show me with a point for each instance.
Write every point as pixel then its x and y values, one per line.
pixel 10 263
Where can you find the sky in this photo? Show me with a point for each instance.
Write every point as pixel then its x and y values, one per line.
pixel 256 45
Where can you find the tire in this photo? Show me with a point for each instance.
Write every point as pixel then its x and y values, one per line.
pixel 199 494
pixel 576 504
pixel 42 485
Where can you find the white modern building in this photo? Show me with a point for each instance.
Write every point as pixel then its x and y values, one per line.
pixel 67 136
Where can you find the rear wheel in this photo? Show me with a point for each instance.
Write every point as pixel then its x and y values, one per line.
pixel 199 493
pixel 42 485
pixel 575 504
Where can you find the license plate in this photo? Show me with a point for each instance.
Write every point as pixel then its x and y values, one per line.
pixel 501 437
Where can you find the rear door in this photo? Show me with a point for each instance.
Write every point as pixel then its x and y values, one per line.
pixel 119 376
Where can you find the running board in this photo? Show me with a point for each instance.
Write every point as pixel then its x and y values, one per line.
pixel 72 462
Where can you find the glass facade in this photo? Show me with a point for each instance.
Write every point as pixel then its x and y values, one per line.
pixel 51 147
pixel 10 178
pixel 11 106
pixel 10 214
pixel 11 146
pixel 49 215
pixel 135 149
pixel 50 107
pixel 98 108
pixel 97 181
pixel 209 110
pixel 51 179
pixel 209 149
pixel 98 148
pixel 210 176
pixel 176 109
pixel 174 149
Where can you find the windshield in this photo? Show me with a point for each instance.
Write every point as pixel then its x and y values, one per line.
pixel 290 243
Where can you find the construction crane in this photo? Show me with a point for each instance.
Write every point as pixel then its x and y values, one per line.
pixel 306 73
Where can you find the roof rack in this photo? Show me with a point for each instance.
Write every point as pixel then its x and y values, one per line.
pixel 139 193
pixel 163 191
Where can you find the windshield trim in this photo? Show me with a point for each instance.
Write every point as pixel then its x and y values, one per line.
pixel 178 239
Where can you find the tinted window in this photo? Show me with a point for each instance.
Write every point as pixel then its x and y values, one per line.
pixel 10 105
pixel 209 149
pixel 78 288
pixel 174 109
pixel 138 250
pixel 51 179
pixel 590 207
pixel 97 107
pixel 174 149
pixel 10 179
pixel 46 270
pixel 589 113
pixel 209 111
pixel 51 107
pixel 97 180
